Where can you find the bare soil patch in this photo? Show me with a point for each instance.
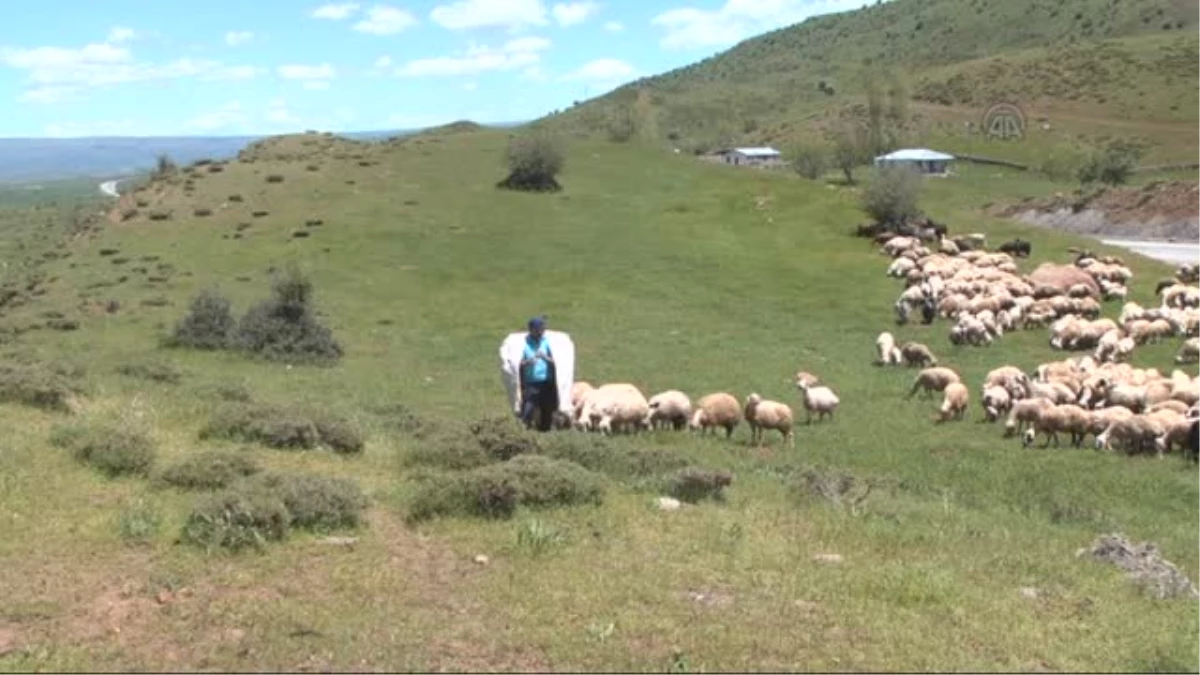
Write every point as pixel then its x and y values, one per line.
pixel 1158 210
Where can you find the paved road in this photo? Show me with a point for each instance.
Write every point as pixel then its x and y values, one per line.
pixel 109 187
pixel 1169 252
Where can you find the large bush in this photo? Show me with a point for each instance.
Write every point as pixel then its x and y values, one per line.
pixel 208 324
pixel 892 195
pixel 284 327
pixel 209 470
pixel 534 161
pixel 810 160
pixel 282 427
pixel 1111 165
pixel 112 451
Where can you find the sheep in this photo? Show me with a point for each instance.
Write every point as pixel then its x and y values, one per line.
pixel 762 415
pixel 716 410
pixel 1105 417
pixel 917 354
pixel 1024 412
pixel 1189 351
pixel 885 346
pixel 1053 419
pixel 1127 395
pixel 954 402
pixel 933 379
pixel 671 407
pixel 1175 433
pixel 819 398
pixel 621 406
pixel 1132 434
pixel 995 401
pixel 579 390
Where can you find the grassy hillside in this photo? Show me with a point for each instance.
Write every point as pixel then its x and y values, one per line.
pixel 667 273
pixel 1090 67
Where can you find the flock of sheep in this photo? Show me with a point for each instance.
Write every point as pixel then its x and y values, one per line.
pixel 984 294
pixel 1099 393
pixel 622 407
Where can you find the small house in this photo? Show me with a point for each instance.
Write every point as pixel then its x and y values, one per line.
pixel 762 157
pixel 924 160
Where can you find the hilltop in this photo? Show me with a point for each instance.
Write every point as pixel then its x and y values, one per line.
pixel 1082 70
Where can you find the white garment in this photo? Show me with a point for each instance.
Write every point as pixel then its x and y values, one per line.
pixel 563 351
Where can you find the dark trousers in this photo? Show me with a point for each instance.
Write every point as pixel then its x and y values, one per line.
pixel 538 397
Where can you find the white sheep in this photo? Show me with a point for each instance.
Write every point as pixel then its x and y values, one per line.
pixel 954 402
pixel 885 347
pixel 917 354
pixel 612 407
pixel 820 399
pixel 1053 419
pixel 1189 351
pixel 996 401
pixel 933 379
pixel 669 408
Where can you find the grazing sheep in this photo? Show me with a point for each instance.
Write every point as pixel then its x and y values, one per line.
pixel 1133 434
pixel 996 401
pixel 1024 412
pixel 1189 351
pixel 579 390
pixel 1053 419
pixel 917 354
pixel 612 407
pixel 1175 433
pixel 762 415
pixel 885 347
pixel 816 398
pixel 933 379
pixel 716 410
pixel 670 408
pixel 954 402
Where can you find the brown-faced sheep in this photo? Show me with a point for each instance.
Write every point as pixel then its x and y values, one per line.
pixel 762 415
pixel 670 408
pixel 933 379
pixel 954 402
pixel 917 354
pixel 716 410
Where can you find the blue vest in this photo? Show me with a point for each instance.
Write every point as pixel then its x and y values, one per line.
pixel 539 370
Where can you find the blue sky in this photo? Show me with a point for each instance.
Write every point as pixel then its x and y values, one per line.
pixel 153 68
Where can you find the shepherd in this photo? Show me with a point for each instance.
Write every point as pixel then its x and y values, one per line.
pixel 539 392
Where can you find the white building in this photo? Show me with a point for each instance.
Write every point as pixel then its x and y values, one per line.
pixel 765 156
pixel 922 159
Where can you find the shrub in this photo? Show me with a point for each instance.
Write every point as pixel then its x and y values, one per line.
pixel 621 125
pixel 622 463
pixel 536 537
pixel 810 160
pixel 482 442
pixel 317 503
pixel 339 435
pixel 260 214
pixel 209 471
pixel 209 323
pixel 693 484
pixel 1111 165
pixel 164 166
pixel 39 386
pixel 284 328
pixel 274 178
pixel 138 523
pixel 891 197
pixel 151 370
pixel 228 392
pixel 495 490
pixel 234 199
pixel 246 516
pixel 202 212
pixel 534 160
pixel 114 452
pixel 268 425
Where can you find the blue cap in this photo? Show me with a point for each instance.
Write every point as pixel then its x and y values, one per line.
pixel 537 322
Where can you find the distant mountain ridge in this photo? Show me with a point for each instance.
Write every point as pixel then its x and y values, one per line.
pixel 24 160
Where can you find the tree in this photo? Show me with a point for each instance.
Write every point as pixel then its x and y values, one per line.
pixel 810 160
pixel 165 166
pixel 891 196
pixel 534 159
pixel 850 149
pixel 1111 165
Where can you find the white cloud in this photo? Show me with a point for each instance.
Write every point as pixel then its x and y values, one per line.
pixel 53 73
pixel 571 13
pixel 383 62
pixel 121 34
pixel 736 20
pixel 296 71
pixel 238 37
pixel 316 85
pixel 613 26
pixel 385 20
pixel 278 113
pixel 335 11
pixel 518 53
pixel 470 86
pixel 510 14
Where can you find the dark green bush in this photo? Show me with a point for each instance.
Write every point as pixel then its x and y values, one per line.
pixel 1111 165
pixel 284 327
pixel 534 160
pixel 151 370
pixel 39 386
pixel 113 452
pixel 481 442
pixel 209 470
pixel 602 455
pixel 694 484
pixel 246 516
pixel 891 196
pixel 282 427
pixel 495 490
pixel 317 503
pixel 209 324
